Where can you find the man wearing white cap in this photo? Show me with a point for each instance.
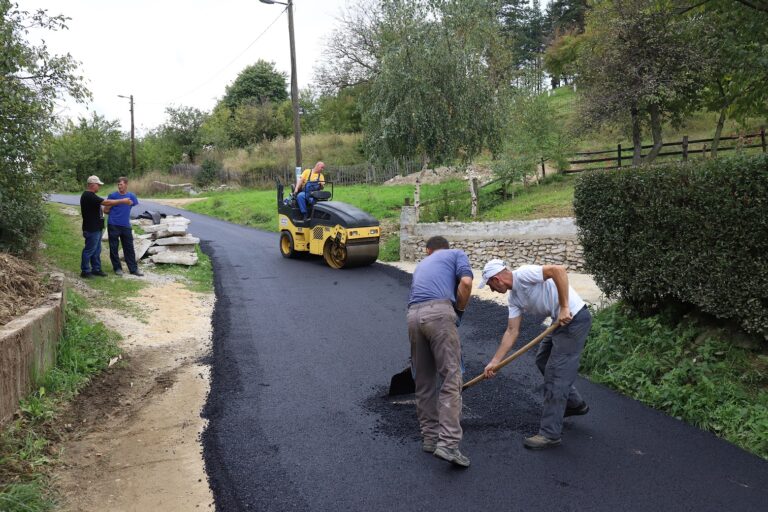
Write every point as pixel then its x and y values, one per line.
pixel 544 291
pixel 93 225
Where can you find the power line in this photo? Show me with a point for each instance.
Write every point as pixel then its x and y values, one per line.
pixel 228 64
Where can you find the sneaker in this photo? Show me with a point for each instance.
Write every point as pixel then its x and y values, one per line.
pixel 119 273
pixel 99 273
pixel 85 275
pixel 539 442
pixel 137 273
pixel 577 411
pixel 452 455
pixel 428 445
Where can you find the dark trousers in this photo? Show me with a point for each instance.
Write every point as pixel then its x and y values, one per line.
pixel 558 361
pixel 124 235
pixel 90 260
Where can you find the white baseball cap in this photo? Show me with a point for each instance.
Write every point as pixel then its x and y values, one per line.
pixel 491 268
pixel 94 179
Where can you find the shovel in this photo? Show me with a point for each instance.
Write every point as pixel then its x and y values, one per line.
pixel 402 383
pixel 522 350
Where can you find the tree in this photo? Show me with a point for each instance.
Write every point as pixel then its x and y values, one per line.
pixel 637 63
pixel 257 84
pixel 31 80
pixel 433 93
pixel 90 146
pixel 183 129
pixel 734 40
pixel 534 135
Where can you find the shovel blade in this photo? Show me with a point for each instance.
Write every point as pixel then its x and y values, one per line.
pixel 402 383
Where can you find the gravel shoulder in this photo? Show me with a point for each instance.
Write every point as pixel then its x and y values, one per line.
pixel 134 431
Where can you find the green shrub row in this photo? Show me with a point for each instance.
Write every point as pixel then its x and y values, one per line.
pixel 687 234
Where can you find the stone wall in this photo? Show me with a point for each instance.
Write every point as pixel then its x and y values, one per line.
pixel 542 241
pixel 28 349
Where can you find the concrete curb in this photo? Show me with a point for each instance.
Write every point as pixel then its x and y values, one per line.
pixel 28 348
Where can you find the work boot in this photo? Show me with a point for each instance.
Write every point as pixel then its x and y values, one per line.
pixel 99 273
pixel 119 273
pixel 577 411
pixel 85 275
pixel 539 442
pixel 452 455
pixel 137 273
pixel 428 445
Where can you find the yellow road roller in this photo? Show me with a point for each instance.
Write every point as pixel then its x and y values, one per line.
pixel 344 235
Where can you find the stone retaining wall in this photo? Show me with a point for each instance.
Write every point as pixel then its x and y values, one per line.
pixel 28 349
pixel 542 241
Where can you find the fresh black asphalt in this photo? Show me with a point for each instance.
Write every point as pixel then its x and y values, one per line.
pixel 299 421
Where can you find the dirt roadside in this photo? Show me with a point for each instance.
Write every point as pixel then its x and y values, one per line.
pixel 132 441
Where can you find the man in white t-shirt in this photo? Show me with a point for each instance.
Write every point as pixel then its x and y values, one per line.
pixel 544 291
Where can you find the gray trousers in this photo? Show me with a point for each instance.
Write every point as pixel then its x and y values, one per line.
pixel 558 361
pixel 436 350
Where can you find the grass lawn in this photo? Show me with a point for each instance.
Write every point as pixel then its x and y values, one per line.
pixel 64 244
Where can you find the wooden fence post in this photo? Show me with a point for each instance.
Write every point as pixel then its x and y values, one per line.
pixel 762 137
pixel 685 148
pixel 543 170
pixel 417 198
pixel 473 193
pixel 618 158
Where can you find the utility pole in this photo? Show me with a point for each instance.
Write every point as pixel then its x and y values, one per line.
pixel 294 84
pixel 133 139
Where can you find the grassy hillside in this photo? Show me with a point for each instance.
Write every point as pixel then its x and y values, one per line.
pixel 700 125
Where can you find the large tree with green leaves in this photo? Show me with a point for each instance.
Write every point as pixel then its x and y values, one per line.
pixel 183 129
pixel 638 66
pixel 92 145
pixel 435 94
pixel 31 80
pixel 257 84
pixel 734 39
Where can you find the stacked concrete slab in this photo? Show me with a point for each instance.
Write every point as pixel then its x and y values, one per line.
pixel 167 242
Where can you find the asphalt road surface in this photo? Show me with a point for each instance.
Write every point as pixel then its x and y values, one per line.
pixel 298 417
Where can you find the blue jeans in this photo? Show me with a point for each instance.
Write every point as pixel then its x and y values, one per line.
pixel 303 198
pixel 91 258
pixel 121 235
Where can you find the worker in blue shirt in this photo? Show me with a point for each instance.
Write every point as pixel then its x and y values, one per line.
pixel 120 231
pixel 442 284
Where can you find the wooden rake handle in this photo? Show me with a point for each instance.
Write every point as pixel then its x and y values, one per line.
pixel 515 355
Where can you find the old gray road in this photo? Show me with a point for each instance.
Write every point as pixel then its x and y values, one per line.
pixel 298 419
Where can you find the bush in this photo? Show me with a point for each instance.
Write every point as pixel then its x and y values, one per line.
pixel 208 173
pixel 681 234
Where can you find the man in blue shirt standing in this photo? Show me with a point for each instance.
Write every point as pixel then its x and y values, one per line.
pixel 442 284
pixel 120 231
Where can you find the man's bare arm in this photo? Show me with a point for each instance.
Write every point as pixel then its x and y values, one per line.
pixel 463 292
pixel 113 202
pixel 507 342
pixel 558 274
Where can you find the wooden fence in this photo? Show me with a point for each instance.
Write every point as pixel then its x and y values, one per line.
pixel 627 153
pixel 339 175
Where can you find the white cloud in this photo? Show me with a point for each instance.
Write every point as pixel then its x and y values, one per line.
pixel 178 52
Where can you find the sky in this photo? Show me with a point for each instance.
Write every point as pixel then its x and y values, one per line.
pixel 178 52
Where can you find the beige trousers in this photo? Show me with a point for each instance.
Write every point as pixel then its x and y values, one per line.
pixel 436 350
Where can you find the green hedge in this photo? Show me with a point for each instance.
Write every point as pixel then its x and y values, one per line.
pixel 683 233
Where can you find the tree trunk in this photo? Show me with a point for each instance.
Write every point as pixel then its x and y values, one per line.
pixel 637 139
pixel 656 132
pixel 719 128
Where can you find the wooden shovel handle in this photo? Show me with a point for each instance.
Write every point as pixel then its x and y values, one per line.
pixel 515 355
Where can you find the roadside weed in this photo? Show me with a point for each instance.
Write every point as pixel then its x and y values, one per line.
pixel 685 370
